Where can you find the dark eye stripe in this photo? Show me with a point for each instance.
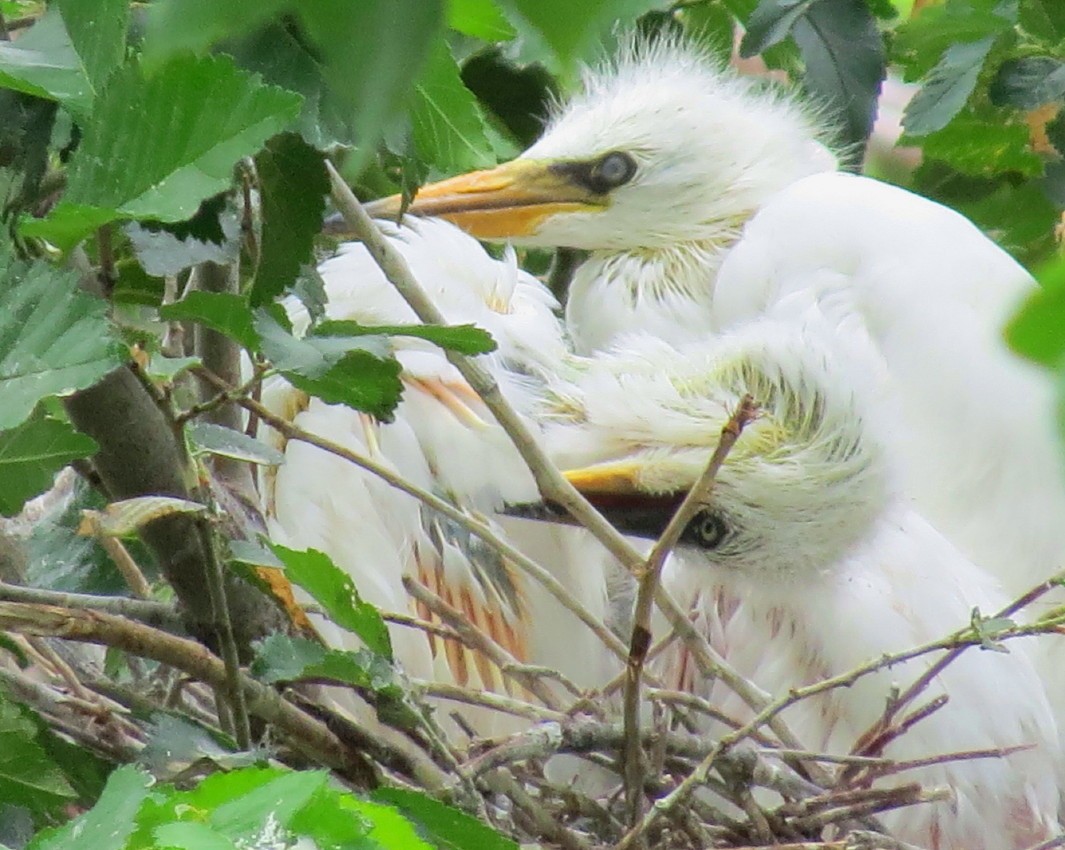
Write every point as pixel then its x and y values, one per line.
pixel 599 175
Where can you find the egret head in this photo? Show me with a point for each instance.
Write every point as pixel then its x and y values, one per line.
pixel 660 146
pixel 801 485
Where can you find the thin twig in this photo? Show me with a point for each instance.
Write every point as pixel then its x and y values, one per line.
pixel 480 642
pixel 155 614
pixel 310 735
pixel 389 476
pixel 696 498
pixel 486 699
pixel 968 637
pixel 121 558
pixel 216 590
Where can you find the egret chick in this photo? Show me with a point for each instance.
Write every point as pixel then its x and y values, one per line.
pixel 707 200
pixel 806 561
pixel 443 439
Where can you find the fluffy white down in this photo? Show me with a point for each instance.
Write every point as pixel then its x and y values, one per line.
pixel 736 211
pixel 832 568
pixel 368 528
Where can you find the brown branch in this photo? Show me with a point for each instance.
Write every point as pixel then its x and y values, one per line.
pixel 648 586
pixel 155 614
pixel 308 734
pixel 959 640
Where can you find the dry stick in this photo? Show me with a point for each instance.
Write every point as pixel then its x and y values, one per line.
pixel 552 485
pixel 914 690
pixel 667 804
pixel 193 658
pixel 487 699
pixel 216 590
pixel 121 558
pixel 649 582
pixel 412 622
pixel 474 526
pixel 155 614
pixel 474 637
pixel 541 820
pixel 120 742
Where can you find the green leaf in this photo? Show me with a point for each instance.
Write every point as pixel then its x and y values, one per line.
pixel 54 338
pixel 334 819
pixel 358 372
pixel 32 454
pixel 293 183
pixel 447 126
pixel 1019 217
pixel 286 58
pixel 310 290
pixel 1029 82
pixel 712 26
pixel 61 559
pixel 28 776
pixel 280 658
pixel 157 146
pixel 108 824
pixel 448 828
pixel 919 44
pixel 161 252
pixel 175 742
pixel 770 23
pixel 845 61
pixel 174 26
pixel 224 312
pixel 1036 331
pixel 252 552
pixel 1044 19
pixel 85 771
pixel 191 836
pixel 574 31
pixel 281 798
pixel 334 590
pixel 98 33
pixel 947 89
pixel 217 440
pixel 480 19
pixel 983 146
pixel 359 44
pixel 465 339
pixel 44 63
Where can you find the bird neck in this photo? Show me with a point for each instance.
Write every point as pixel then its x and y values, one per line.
pixel 666 290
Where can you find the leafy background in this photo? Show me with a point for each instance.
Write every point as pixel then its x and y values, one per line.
pixel 131 139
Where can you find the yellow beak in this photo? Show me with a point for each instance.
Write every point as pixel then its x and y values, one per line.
pixel 500 203
pixel 617 478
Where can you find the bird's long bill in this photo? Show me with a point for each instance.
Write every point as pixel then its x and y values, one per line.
pixel 501 203
pixel 612 490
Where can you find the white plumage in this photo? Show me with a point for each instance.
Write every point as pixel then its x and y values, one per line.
pixel 817 564
pixel 444 440
pixel 732 209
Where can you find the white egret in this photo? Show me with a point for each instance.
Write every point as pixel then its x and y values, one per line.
pixel 806 561
pixel 707 200
pixel 444 440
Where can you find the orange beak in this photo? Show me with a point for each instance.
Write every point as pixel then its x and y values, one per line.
pixel 509 201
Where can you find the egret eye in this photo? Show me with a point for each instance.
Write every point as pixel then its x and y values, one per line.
pixel 707 530
pixel 613 170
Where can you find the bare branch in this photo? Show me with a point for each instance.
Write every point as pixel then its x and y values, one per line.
pixel 648 587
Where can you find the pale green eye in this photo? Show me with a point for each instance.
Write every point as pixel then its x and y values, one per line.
pixel 708 530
